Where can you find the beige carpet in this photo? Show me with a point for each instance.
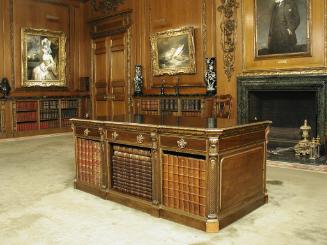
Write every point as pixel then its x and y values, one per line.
pixel 38 205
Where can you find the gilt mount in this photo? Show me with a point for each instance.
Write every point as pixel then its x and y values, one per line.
pixel 106 6
pixel 228 37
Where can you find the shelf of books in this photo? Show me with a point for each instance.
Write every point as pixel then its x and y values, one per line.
pixel 184 182
pixel 88 162
pixel 42 115
pixel 186 105
pixel 26 115
pixel 132 171
pixel 191 107
pixel 49 114
pixel 169 105
pixel 149 107
pixel 69 109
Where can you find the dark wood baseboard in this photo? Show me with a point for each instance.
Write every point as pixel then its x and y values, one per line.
pixel 89 189
pixel 133 202
pixel 185 219
pixel 241 211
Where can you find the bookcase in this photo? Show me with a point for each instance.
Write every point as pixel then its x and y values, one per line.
pixel 26 115
pixel 182 105
pixel 184 182
pixel 132 170
pixel 49 114
pixel 69 109
pixel 88 162
pixel 38 115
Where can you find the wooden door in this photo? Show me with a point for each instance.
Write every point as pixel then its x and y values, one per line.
pixel 110 76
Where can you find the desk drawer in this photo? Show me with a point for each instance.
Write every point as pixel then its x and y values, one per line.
pixel 87 132
pixel 141 138
pixel 183 143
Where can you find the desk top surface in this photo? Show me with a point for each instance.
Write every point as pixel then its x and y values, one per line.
pixel 206 123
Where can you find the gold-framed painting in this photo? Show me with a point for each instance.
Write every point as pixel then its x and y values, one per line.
pixel 43 58
pixel 308 47
pixel 282 28
pixel 173 52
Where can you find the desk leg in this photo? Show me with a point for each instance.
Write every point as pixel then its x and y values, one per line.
pixel 212 224
pixel 156 170
pixel 103 161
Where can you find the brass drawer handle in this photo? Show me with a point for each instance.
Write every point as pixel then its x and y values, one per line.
pixel 181 143
pixel 86 132
pixel 140 139
pixel 114 135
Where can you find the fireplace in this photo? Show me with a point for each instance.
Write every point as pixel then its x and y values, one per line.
pixel 287 101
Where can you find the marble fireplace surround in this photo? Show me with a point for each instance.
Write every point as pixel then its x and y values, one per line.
pixel 314 83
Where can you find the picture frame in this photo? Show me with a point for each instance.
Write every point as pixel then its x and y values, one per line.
pixel 295 62
pixel 43 58
pixel 173 52
pixel 282 28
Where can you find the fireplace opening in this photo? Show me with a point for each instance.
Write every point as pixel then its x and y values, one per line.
pixel 287 101
pixel 287 110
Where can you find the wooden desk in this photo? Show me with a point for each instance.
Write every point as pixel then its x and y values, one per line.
pixel 197 174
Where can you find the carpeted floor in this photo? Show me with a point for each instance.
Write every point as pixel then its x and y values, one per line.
pixel 38 205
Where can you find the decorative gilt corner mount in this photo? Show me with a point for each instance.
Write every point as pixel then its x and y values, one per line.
pixel 228 25
pixel 86 132
pixel 106 5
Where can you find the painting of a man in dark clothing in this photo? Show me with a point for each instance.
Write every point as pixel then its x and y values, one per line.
pixel 282 27
pixel 285 20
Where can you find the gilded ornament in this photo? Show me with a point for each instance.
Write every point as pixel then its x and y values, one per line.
pixel 228 26
pixel 106 5
pixel 140 139
pixel 86 132
pixel 181 143
pixel 114 135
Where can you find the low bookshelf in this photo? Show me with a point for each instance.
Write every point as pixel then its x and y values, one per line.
pixel 69 109
pixel 177 105
pixel 41 115
pixel 49 114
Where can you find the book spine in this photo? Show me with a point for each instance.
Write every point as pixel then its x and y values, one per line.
pixel 184 183
pixel 132 171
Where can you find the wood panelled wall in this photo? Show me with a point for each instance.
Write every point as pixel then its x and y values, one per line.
pixel 148 17
pixel 68 16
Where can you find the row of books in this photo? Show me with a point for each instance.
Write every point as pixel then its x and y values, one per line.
pixel 150 105
pixel 65 123
pixel 46 104
pixel 49 124
pixel 191 105
pixel 69 104
pixel 132 171
pixel 169 105
pixel 26 105
pixel 26 116
pixel 69 113
pixel 152 113
pixel 49 115
pixel 49 104
pixel 184 183
pixel 88 162
pixel 27 126
pixel 132 150
pixel 134 156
